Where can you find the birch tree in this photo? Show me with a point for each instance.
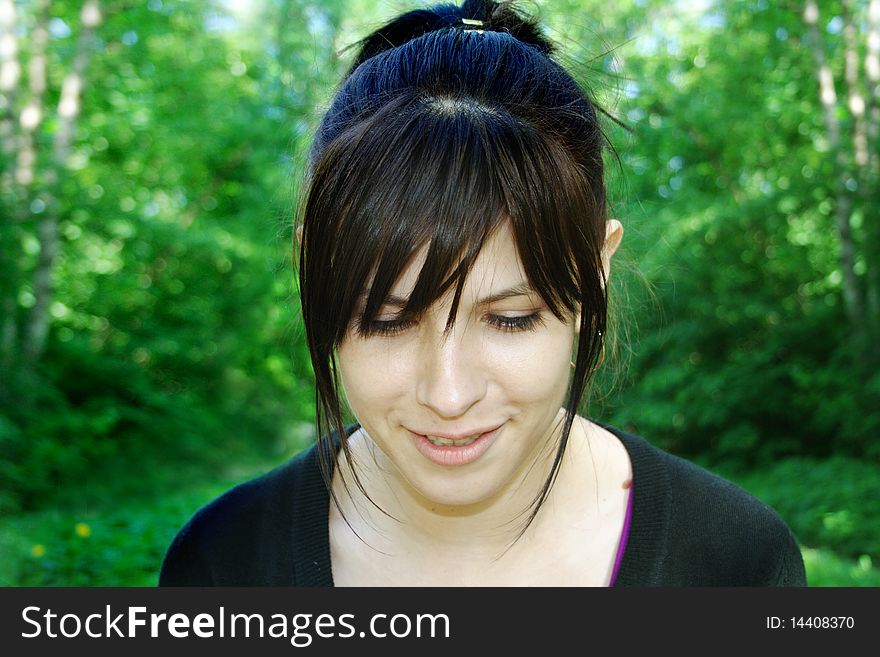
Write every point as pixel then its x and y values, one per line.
pixel 37 326
pixel 870 190
pixel 33 112
pixel 9 76
pixel 20 155
pixel 10 72
pixel 852 287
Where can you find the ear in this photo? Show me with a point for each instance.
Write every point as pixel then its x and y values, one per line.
pixel 613 236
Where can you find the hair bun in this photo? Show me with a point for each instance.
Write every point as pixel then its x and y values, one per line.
pixel 496 16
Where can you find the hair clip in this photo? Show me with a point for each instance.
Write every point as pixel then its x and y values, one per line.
pixel 472 22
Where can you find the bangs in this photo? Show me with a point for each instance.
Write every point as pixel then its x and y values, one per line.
pixel 444 173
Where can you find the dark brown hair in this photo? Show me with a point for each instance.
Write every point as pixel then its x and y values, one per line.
pixel 440 131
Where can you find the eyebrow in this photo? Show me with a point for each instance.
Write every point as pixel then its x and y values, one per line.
pixel 522 289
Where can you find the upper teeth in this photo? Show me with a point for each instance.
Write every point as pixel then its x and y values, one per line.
pixel 437 440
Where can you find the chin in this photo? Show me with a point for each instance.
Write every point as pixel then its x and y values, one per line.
pixel 448 494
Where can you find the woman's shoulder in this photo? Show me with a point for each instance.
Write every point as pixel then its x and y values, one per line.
pixel 743 536
pixel 244 529
pixel 696 491
pixel 714 531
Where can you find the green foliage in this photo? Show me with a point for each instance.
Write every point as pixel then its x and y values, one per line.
pixel 121 550
pixel 824 568
pixel 107 545
pixel 833 503
pixel 742 351
pixel 173 336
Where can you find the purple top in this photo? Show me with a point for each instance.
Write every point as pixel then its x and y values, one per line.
pixel 623 536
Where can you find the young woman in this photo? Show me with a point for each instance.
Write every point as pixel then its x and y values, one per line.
pixel 454 254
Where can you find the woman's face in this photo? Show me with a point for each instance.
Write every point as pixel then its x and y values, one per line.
pixel 462 415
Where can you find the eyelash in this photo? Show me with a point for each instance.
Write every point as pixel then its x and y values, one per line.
pixel 505 324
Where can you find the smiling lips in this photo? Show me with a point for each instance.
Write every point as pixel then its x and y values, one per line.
pixel 454 450
pixel 460 436
pixel 439 440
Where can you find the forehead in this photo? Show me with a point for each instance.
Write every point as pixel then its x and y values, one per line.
pixel 497 264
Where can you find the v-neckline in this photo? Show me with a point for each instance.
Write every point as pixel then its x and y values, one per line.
pixel 642 557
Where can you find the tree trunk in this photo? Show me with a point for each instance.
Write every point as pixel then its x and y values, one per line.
pixel 10 72
pixel 855 99
pixel 9 77
pixel 872 70
pixel 870 192
pixel 32 114
pixel 37 328
pixel 29 122
pixel 852 294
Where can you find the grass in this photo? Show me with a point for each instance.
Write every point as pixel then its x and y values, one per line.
pixel 110 544
pixel 824 568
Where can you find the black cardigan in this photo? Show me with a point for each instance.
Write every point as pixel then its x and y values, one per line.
pixel 689 527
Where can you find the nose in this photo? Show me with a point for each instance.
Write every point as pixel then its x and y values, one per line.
pixel 451 378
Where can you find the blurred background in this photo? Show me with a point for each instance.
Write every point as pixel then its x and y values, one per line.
pixel 151 353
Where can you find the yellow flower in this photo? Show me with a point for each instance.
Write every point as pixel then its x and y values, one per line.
pixel 38 550
pixel 83 530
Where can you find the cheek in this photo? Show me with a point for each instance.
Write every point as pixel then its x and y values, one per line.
pixel 371 374
pixel 534 369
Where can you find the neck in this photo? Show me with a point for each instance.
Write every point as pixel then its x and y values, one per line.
pixel 483 531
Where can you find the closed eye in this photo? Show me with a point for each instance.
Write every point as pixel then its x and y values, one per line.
pixel 385 328
pixel 504 323
pixel 517 322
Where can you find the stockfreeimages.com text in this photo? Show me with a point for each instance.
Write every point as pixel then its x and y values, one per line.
pixel 300 629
